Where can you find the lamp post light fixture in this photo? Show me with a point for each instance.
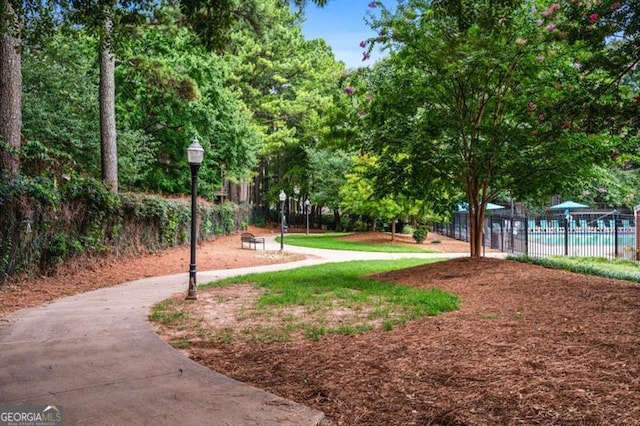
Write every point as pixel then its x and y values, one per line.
pixel 283 198
pixel 307 210
pixel 195 153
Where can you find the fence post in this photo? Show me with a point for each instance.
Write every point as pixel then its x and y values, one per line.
pixel 456 219
pixel 566 237
pixel 637 216
pixel 615 234
pixel 467 226
pixel 511 234
pixel 526 235
pixel 483 235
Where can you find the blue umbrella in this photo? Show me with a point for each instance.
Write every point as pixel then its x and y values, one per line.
pixel 568 205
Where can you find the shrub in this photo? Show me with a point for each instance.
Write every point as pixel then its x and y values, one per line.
pixel 420 234
pixel 406 229
pixel 359 226
pixel 44 224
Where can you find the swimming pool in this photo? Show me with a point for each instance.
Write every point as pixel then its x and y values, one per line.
pixel 625 238
pixel 598 244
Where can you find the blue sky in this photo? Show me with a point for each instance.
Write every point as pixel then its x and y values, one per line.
pixel 341 23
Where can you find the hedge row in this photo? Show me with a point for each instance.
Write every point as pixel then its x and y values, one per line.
pixel 44 223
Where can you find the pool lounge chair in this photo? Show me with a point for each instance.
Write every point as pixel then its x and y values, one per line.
pixel 583 225
pixel 555 224
pixel 544 225
pixel 600 225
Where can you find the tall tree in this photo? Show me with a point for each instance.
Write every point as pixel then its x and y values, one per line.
pixel 289 83
pixel 210 19
pixel 172 89
pixel 469 99
pixel 327 174
pixel 609 32
pixel 19 20
pixel 107 18
pixel 60 112
pixel 107 99
pixel 359 197
pixel 10 87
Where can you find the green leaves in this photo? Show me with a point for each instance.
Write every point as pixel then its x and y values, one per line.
pixel 174 90
pixel 60 108
pixel 475 98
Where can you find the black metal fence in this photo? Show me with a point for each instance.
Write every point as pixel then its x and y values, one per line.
pixel 608 235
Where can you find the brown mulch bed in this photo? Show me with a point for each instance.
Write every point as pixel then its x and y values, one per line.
pixel 529 345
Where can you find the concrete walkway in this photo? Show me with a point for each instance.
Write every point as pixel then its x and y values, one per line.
pixel 95 355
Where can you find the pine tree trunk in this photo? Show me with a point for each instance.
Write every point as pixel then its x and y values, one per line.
pixel 108 143
pixel 10 91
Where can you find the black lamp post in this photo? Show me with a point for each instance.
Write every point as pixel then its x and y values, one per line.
pixel 307 210
pixel 283 198
pixel 195 153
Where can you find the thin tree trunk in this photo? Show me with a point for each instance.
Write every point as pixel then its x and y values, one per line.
pixel 108 143
pixel 476 212
pixel 476 219
pixel 10 90
pixel 338 225
pixel 476 223
pixel 393 229
pixel 472 234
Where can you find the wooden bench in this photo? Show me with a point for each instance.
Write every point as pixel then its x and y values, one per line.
pixel 249 238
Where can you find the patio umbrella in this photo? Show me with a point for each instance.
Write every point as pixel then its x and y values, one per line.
pixel 568 205
pixel 463 207
pixel 491 206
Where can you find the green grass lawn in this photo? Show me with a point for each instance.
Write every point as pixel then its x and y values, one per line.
pixel 333 241
pixel 315 301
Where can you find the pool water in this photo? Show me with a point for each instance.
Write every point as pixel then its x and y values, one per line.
pixel 584 238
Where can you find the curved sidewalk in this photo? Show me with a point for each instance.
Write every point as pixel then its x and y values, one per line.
pixel 95 355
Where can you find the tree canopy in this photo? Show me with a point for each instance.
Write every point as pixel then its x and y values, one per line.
pixel 476 99
pixel 472 98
